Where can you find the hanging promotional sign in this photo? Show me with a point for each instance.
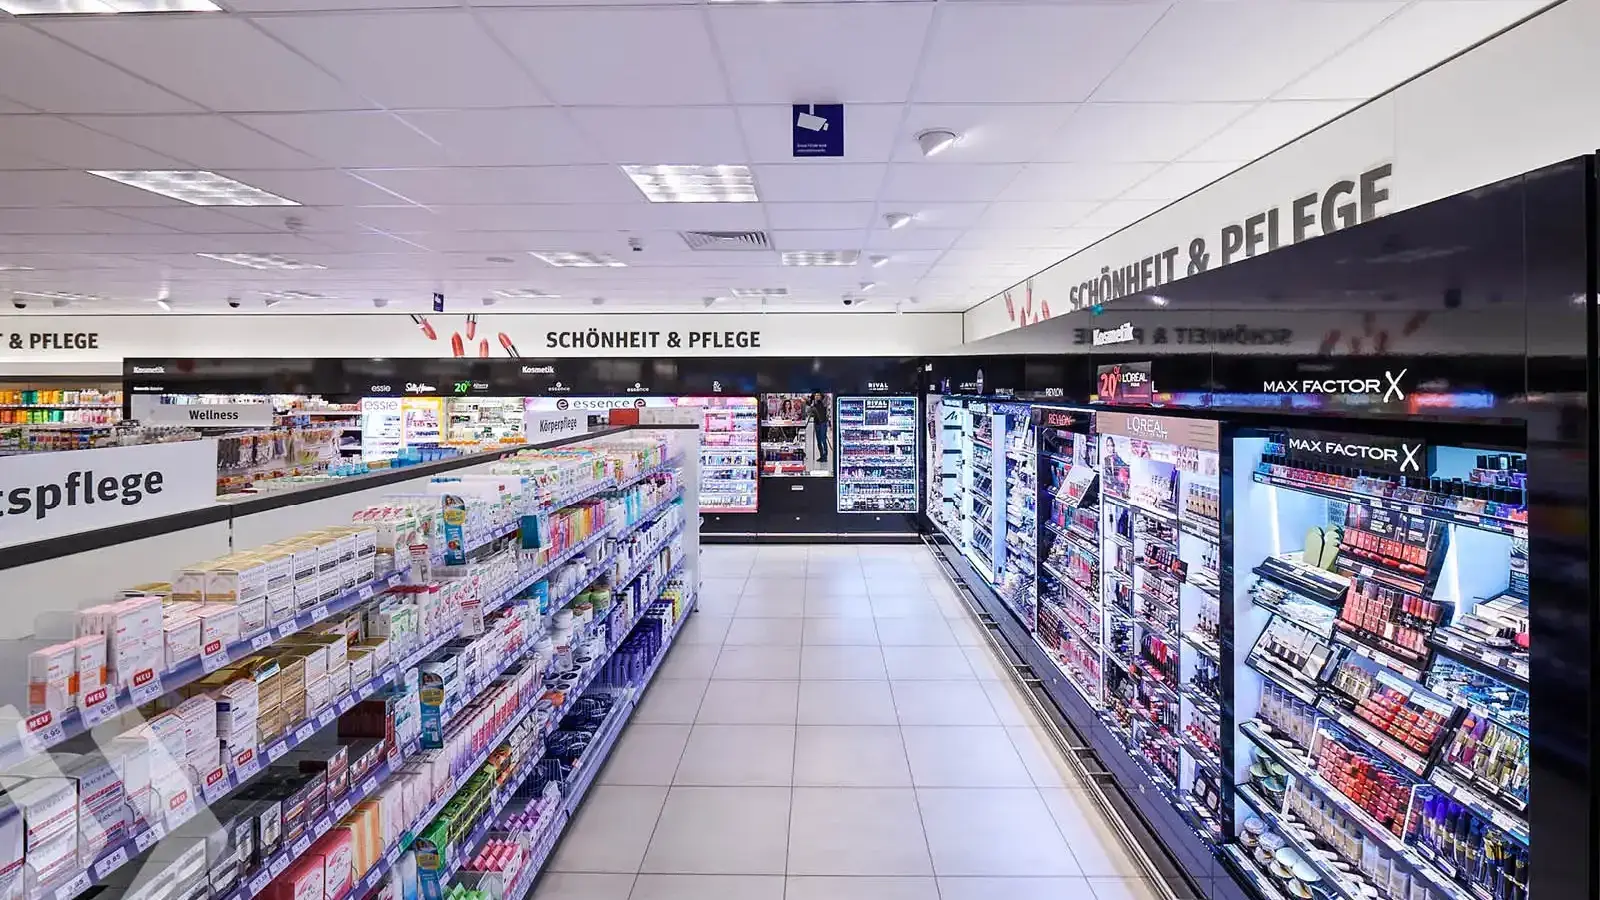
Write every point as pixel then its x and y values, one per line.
pixel 1124 383
pixel 548 426
pixel 46 495
pixel 1370 453
pixel 209 415
pixel 1201 434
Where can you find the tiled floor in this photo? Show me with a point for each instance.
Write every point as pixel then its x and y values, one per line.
pixel 831 726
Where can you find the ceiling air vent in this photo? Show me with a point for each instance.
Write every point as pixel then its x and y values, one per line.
pixel 726 240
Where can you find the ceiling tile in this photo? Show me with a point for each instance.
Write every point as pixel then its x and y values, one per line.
pixel 1418 37
pixel 797 182
pixel 92 87
pixel 503 137
pixel 351 139
pixel 70 188
pixel 1239 50
pixel 65 143
pixel 943 215
pixel 988 133
pixel 1076 181
pixel 72 221
pixel 912 182
pixel 1062 240
pixel 1268 127
pixel 1036 214
pixel 208 59
pixel 509 184
pixel 655 135
pixel 913 238
pixel 1178 180
pixel 597 57
pixel 411 60
pixel 1119 214
pixel 819 239
pixel 1000 53
pixel 820 215
pixel 1138 132
pixel 197 220
pixel 208 141
pixel 870 132
pixel 823 53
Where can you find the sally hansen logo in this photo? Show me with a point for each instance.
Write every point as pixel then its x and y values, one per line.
pixel 1388 386
pixel 1406 456
pixel 413 387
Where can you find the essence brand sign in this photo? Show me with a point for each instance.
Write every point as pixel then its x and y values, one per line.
pixel 1387 388
pixel 46 495
pixel 1392 456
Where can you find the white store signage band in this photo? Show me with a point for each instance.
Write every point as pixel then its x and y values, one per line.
pixel 47 495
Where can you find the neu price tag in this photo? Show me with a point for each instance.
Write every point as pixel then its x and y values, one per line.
pixel 213 656
pixel 180 809
pixel 146 687
pixel 42 731
pixel 216 785
pixel 97 706
pixel 246 763
pixel 110 863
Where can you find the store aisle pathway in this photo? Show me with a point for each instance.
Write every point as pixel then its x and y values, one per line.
pixel 832 726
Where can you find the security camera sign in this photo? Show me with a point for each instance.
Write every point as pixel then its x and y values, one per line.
pixel 817 129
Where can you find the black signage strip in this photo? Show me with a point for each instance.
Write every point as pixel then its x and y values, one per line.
pixel 223 511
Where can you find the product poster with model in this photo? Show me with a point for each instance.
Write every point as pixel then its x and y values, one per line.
pixel 1159 531
pixel 797 435
pixel 1380 620
pixel 878 465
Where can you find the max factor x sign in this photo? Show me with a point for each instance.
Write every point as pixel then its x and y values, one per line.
pixel 1377 454
pixel 1388 388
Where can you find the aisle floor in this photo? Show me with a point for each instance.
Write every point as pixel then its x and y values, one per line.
pixel 832 726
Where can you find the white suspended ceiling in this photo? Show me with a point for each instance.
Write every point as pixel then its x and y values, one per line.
pixel 435 145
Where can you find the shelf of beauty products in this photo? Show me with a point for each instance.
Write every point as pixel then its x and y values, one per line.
pixel 348 651
pixel 878 466
pixel 1383 702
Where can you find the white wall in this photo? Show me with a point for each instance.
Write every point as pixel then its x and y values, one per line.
pixel 1523 100
pixel 46 344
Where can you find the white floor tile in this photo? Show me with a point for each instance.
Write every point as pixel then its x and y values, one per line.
pixel 850 756
pixel 1123 889
pixel 704 629
pixel 902 606
pixel 926 663
pixel 646 755
pixel 1099 851
pixel 774 588
pixel 1036 888
pixel 749 703
pixel 1044 761
pixel 708 887
pixel 738 756
pixel 711 585
pixel 834 605
pixel 583 886
pixel 942 703
pixel 986 663
pixel 671 700
pixel 846 703
pixel 835 887
pixel 967 632
pixel 992 832
pixel 764 632
pixel 823 662
pixel 856 631
pixel 690 661
pixel 856 831
pixel 611 830
pixel 963 756
pixel 754 663
pixel 921 631
pixel 1008 702
pixel 722 606
pixel 721 831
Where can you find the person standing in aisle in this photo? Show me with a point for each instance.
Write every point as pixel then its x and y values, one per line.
pixel 817 410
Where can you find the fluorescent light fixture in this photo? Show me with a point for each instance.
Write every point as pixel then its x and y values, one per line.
pixel 275 296
pixel 260 261
pixel 101 7
pixel 879 262
pixel 935 141
pixel 6 267
pixel 821 257
pixel 196 187
pixel 165 306
pixel 758 293
pixel 580 260
pixel 897 220
pixel 527 294
pixel 58 295
pixel 694 184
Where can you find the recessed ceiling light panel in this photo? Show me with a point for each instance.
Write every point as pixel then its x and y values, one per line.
pixel 527 294
pixel 577 260
pixel 261 261
pixel 196 187
pixel 294 295
pixel 57 295
pixel 694 184
pixel 821 257
pixel 758 293
pixel 101 7
pixel 7 267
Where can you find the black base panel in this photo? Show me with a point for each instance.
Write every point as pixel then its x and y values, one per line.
pixel 805 506
pixel 730 537
pixel 1188 865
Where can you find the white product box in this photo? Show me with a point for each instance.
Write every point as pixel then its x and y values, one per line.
pixel 350 575
pixel 49 809
pixel 280 607
pixel 279 569
pixel 130 754
pixel 219 624
pixel 11 850
pixel 182 641
pixel 329 585
pixel 252 617
pixel 338 681
pixel 91 662
pixel 303 561
pixel 317 695
pixel 53 677
pixel 240 577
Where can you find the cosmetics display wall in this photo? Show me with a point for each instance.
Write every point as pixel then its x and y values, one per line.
pixel 728 455
pixel 1381 696
pixel 1017 562
pixel 789 439
pixel 946 418
pixel 878 465
pixel 1070 624
pixel 981 495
